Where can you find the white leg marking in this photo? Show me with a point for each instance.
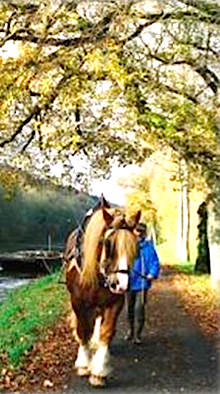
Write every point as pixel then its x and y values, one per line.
pixel 100 364
pixel 83 360
pixel 94 341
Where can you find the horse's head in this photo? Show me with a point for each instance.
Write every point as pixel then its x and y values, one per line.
pixel 118 250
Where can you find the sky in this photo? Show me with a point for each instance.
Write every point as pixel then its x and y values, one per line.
pixel 110 189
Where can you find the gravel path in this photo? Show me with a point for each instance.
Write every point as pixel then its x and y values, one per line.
pixel 175 357
pixel 177 354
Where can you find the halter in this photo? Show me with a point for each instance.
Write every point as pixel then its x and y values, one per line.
pixel 104 278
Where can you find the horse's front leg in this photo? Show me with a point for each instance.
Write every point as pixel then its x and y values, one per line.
pixel 100 363
pixel 84 327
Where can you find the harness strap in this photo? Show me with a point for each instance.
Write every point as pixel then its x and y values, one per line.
pixel 120 272
pixel 73 263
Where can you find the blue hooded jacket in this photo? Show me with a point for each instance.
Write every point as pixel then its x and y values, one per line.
pixel 145 263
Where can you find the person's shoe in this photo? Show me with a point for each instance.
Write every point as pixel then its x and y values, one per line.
pixel 129 336
pixel 137 340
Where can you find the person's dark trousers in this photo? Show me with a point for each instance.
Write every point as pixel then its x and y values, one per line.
pixel 136 311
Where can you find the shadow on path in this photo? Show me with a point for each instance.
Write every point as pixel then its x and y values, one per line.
pixel 173 358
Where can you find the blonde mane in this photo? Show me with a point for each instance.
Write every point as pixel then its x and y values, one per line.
pixel 91 243
pixel 126 244
pixel 93 233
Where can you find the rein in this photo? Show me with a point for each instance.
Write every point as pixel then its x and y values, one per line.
pixel 140 275
pixel 119 272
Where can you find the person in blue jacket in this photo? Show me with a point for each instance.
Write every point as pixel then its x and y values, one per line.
pixel 145 269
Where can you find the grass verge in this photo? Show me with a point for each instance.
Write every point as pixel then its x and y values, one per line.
pixel 167 255
pixel 26 313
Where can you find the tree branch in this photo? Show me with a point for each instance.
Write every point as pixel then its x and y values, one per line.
pixel 101 29
pixel 208 75
pixel 187 96
pixel 193 14
pixel 29 140
pixel 153 18
pixel 94 34
pixel 211 8
pixel 34 113
pixel 195 45
pixel 171 15
pixel 37 110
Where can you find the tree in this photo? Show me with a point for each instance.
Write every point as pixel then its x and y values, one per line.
pixel 203 259
pixel 139 197
pixel 183 249
pixel 28 216
pixel 110 80
pixel 66 50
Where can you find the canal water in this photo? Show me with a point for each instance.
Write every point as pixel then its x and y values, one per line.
pixel 9 282
pixel 11 278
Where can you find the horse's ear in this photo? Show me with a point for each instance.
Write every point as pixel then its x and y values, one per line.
pixel 133 220
pixel 104 202
pixel 138 216
pixel 107 217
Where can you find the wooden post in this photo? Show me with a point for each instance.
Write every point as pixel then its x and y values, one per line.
pixel 49 242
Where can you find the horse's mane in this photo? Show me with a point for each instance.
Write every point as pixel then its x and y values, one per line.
pixel 126 244
pixel 93 235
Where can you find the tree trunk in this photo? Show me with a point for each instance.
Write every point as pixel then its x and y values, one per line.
pixel 180 223
pixel 203 258
pixel 185 239
pixel 214 242
pixel 183 250
pixel 188 225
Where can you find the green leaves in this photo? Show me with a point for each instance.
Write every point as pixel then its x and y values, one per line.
pixel 140 80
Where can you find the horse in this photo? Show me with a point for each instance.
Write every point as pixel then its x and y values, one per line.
pixel 97 287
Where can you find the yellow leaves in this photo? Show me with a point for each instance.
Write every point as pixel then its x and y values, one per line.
pixel 101 63
pixel 140 198
pixel 74 92
pixel 200 300
pixel 115 70
pixel 46 83
pixel 32 70
pixel 191 124
pixel 95 61
pixel 10 180
pixel 58 137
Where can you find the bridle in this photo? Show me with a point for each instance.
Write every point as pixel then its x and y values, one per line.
pixel 103 276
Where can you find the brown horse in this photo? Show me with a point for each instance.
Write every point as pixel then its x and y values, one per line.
pixel 97 288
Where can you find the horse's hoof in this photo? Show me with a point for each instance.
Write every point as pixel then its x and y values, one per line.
pixel 97 381
pixel 82 371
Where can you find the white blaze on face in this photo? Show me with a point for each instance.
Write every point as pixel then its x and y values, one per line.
pixel 122 284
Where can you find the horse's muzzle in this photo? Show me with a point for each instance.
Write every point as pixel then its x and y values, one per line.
pixel 119 284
